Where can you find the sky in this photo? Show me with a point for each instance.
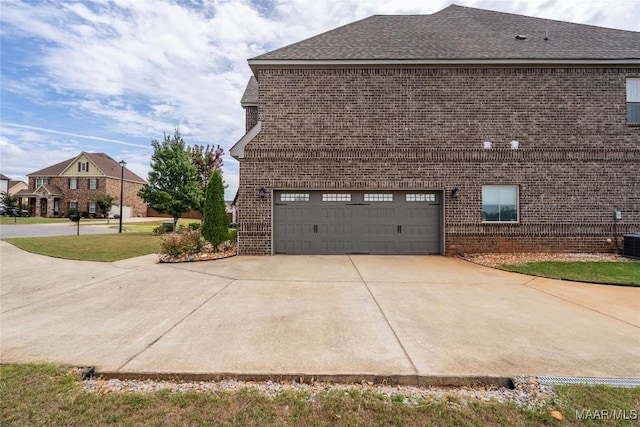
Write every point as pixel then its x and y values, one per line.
pixel 111 76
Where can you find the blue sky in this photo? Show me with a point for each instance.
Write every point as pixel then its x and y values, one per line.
pixel 110 76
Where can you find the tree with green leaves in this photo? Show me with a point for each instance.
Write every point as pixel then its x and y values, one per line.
pixel 172 186
pixel 9 201
pixel 207 160
pixel 215 223
pixel 104 203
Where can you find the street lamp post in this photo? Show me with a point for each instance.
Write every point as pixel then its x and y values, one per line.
pixel 122 165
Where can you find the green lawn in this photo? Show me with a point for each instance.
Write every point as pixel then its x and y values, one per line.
pixel 596 272
pixel 51 395
pixel 99 247
pixel 148 227
pixel 32 220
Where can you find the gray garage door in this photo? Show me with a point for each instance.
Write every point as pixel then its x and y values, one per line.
pixel 356 222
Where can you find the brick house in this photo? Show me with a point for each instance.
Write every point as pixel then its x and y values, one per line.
pixel 75 184
pixel 463 131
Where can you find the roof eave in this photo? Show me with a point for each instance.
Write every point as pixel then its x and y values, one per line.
pixel 237 151
pixel 255 64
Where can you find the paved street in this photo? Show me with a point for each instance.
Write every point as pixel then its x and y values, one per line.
pixel 44 230
pixel 405 316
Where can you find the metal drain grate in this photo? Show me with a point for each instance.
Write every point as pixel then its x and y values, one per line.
pixel 611 382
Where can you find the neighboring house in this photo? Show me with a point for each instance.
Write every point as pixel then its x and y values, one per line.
pixel 232 212
pixel 74 184
pixel 463 131
pixel 4 183
pixel 16 186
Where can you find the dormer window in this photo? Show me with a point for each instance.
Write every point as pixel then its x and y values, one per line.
pixel 83 166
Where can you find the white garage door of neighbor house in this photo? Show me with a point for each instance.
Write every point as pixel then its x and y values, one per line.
pixel 357 222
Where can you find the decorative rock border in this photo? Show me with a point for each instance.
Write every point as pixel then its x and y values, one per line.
pixel 200 256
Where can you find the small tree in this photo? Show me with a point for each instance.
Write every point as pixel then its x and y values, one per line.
pixel 215 223
pixel 172 185
pixel 104 203
pixel 9 201
pixel 207 160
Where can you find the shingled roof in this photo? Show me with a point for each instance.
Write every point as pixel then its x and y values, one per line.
pixel 461 34
pixel 250 96
pixel 107 165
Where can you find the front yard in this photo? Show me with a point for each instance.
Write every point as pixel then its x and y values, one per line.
pixel 593 268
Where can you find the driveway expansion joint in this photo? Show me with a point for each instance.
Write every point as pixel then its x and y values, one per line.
pixel 578 304
pixel 162 335
pixel 404 350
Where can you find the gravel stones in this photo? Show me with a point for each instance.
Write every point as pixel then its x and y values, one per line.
pixel 496 260
pixel 527 391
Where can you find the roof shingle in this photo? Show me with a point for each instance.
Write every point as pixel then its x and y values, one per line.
pixel 461 33
pixel 107 165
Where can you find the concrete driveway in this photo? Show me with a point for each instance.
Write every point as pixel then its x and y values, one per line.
pixel 391 316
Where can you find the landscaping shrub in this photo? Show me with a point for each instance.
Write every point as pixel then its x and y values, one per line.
pixel 85 214
pixel 159 231
pixel 182 242
pixel 194 226
pixel 232 236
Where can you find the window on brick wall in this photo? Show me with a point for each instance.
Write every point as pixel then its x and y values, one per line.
pixel 73 183
pixel 73 206
pixel 92 207
pixel 633 101
pixel 93 183
pixel 500 203
pixel 41 181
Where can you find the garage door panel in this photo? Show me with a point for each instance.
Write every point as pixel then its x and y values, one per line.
pixel 357 222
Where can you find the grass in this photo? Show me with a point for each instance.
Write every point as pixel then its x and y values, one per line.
pixel 53 395
pixel 148 227
pixel 137 241
pixel 98 247
pixel 596 272
pixel 32 220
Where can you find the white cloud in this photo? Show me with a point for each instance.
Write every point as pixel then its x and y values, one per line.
pixel 140 68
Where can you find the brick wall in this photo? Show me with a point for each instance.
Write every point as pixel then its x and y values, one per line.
pixel 420 128
pixel 83 195
pixel 251 117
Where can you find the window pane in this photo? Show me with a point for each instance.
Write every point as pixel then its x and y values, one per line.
pixel 301 197
pixel 633 112
pixel 490 212
pixel 490 195
pixel 500 203
pixel 633 90
pixel 508 213
pixel 420 197
pixel 378 197
pixel 508 195
pixel 331 197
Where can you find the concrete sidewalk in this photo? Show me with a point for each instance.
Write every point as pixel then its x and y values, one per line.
pixel 313 315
